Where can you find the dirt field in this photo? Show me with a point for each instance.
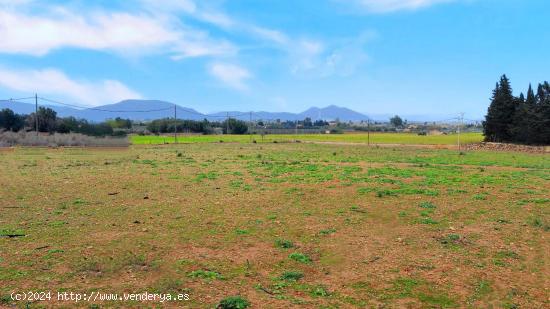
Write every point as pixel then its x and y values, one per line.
pixel 280 225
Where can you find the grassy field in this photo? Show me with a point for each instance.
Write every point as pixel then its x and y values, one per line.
pixel 375 138
pixel 280 225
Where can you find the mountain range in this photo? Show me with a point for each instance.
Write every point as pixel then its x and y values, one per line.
pixel 143 110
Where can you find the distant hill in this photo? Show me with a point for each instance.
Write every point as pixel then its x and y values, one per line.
pixel 132 109
pixel 24 108
pixel 139 110
pixel 332 112
pixel 154 109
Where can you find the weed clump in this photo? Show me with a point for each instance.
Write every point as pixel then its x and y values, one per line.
pixel 327 231
pixel 427 221
pixel 291 276
pixel 300 257
pixel 319 291
pixel 285 244
pixel 427 205
pixel 233 302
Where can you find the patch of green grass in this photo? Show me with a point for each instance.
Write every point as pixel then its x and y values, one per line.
pixel 205 274
pixel 233 302
pixel 285 244
pixel 481 289
pixel 383 193
pixel 79 201
pixel 427 221
pixel 507 255
pixel 404 286
pixel 427 205
pixel 480 197
pixel 291 275
pixel 57 223
pixel 451 239
pixel 539 222
pixel 377 138
pixel 11 233
pixel 300 257
pixel 437 300
pixel 209 175
pixel 319 291
pixel 242 232
pixel 12 274
pixel 502 258
pixel 327 231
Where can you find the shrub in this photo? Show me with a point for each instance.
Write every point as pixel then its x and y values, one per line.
pixel 8 139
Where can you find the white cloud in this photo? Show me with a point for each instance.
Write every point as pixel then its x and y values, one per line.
pixel 386 6
pixel 170 5
pixel 269 34
pixel 202 12
pixel 313 58
pixel 54 82
pixel 232 75
pixel 121 32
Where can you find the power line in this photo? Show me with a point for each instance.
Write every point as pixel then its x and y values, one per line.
pixel 257 114
pixel 105 110
pixel 15 100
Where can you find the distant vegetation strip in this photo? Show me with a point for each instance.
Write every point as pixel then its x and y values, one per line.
pixel 375 138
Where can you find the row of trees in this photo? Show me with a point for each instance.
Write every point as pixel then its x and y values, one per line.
pixel 166 125
pixel 523 119
pixel 11 121
pixel 50 123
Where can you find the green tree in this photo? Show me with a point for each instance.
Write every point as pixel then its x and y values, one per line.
pixel 540 122
pixel 11 121
pixel 235 126
pixel 47 120
pixel 396 121
pixel 499 122
pixel 531 99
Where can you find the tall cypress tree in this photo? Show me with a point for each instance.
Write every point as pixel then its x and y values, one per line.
pixel 531 99
pixel 521 124
pixel 540 94
pixel 541 121
pixel 499 122
pixel 527 119
pixel 489 127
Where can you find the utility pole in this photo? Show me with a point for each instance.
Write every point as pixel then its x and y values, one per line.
pixel 460 120
pixel 36 113
pixel 368 131
pixel 250 127
pixel 227 123
pixel 175 125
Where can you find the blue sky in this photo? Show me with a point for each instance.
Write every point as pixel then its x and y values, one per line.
pixel 410 57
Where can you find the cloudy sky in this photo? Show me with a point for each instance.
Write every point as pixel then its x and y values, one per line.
pixel 375 56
